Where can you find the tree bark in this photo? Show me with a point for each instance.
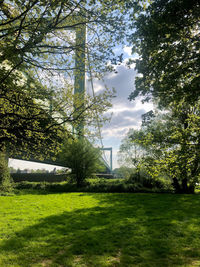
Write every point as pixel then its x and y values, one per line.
pixel 176 186
pixel 185 189
pixel 5 178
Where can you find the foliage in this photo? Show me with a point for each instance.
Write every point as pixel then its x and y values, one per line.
pixel 6 184
pixel 97 185
pixel 142 180
pixel 171 143
pixel 77 229
pixel 167 42
pixel 37 55
pixel 122 172
pixel 43 31
pixel 130 153
pixel 39 177
pixel 82 158
pixel 26 127
pixel 39 37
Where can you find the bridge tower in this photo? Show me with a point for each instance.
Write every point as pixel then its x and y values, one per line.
pixel 79 74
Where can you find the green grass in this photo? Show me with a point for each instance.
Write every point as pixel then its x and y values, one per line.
pixel 81 229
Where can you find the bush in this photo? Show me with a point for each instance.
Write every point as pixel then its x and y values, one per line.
pixel 90 185
pixel 39 177
pixel 144 181
pixel 82 158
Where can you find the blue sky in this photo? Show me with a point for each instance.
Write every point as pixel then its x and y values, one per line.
pixel 125 114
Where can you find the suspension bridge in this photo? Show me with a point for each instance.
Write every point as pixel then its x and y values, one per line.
pixel 80 89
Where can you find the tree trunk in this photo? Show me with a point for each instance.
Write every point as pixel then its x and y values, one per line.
pixel 6 183
pixel 176 185
pixel 185 186
pixel 191 189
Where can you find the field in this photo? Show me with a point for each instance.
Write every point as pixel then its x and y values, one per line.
pixel 81 229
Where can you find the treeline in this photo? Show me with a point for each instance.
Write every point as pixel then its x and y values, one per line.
pixel 18 170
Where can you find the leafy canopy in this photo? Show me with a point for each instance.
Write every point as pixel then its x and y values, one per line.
pixel 167 42
pixel 171 146
pixel 37 55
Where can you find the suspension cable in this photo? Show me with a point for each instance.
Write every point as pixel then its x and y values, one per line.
pixel 93 94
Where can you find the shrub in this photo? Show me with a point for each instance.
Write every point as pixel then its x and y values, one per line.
pixel 82 158
pixel 144 181
pixel 91 185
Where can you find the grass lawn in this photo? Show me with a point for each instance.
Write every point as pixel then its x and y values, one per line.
pixel 80 229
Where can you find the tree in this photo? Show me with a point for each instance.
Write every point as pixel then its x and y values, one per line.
pixel 37 54
pixel 167 42
pixel 172 144
pixel 37 57
pixel 27 125
pixel 41 33
pixel 82 158
pixel 130 153
pixel 37 61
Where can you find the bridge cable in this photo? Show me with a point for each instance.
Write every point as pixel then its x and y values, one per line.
pixel 97 119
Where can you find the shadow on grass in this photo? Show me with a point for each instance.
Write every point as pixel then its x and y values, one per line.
pixel 125 230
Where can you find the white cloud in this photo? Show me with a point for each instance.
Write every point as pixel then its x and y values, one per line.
pixel 125 114
pixel 128 50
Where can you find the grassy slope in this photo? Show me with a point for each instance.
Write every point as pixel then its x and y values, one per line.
pixel 79 229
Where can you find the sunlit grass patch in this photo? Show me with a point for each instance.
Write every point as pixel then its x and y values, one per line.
pixel 80 229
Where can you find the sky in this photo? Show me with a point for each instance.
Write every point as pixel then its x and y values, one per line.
pixel 125 114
